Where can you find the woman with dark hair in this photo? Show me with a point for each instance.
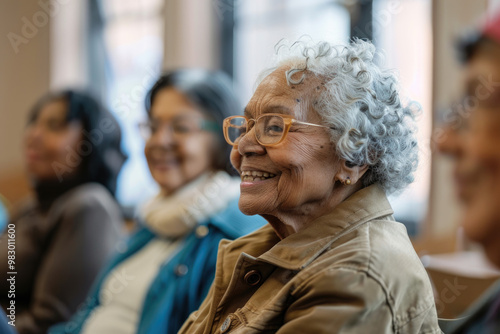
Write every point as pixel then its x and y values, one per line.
pixel 66 233
pixel 168 265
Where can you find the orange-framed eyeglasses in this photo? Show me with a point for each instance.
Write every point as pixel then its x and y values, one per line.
pixel 270 129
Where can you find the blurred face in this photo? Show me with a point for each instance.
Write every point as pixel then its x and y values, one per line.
pixel 299 174
pixel 466 172
pixel 482 220
pixel 48 142
pixel 178 150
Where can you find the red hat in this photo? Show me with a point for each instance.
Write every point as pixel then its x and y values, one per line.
pixel 490 29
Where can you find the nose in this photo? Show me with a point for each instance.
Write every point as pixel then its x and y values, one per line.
pixel 164 136
pixel 33 132
pixel 450 142
pixel 248 144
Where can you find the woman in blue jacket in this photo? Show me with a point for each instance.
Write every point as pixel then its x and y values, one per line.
pixel 166 268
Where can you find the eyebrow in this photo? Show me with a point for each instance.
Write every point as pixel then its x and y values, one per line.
pixel 271 110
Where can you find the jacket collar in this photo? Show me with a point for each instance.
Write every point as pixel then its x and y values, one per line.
pixel 300 249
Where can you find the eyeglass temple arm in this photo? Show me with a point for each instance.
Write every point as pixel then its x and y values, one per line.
pixel 319 125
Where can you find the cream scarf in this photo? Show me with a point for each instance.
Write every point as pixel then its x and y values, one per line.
pixel 175 215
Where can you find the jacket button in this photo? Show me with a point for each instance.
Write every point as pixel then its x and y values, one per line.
pixel 181 270
pixel 225 325
pixel 201 231
pixel 252 277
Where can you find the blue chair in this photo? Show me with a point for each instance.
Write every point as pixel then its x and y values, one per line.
pixel 5 328
pixel 4 214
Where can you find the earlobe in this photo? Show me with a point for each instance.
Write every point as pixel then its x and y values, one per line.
pixel 349 173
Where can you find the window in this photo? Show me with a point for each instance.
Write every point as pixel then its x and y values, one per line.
pixel 260 24
pixel 133 36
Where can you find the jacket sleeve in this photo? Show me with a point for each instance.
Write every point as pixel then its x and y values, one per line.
pixel 338 301
pixel 80 246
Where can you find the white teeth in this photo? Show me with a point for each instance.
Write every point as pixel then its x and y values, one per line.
pixel 255 175
pixel 251 178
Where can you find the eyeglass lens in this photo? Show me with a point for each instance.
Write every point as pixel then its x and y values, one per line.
pixel 179 127
pixel 269 129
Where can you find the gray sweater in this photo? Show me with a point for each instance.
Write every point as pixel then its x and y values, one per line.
pixel 57 255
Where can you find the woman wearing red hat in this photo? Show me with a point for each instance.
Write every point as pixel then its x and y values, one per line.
pixel 475 149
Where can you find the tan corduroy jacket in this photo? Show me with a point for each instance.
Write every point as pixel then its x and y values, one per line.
pixel 351 271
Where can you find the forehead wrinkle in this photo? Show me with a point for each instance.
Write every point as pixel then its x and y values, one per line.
pixel 297 110
pixel 302 110
pixel 295 100
pixel 277 109
pixel 307 92
pixel 260 103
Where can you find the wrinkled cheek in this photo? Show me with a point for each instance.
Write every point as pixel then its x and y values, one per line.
pixel 290 188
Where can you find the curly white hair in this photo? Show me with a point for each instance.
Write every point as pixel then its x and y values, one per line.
pixel 361 102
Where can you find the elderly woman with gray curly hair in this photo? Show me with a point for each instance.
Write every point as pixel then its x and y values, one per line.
pixel 323 141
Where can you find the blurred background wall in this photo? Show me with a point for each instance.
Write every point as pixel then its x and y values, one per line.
pixel 117 48
pixel 24 77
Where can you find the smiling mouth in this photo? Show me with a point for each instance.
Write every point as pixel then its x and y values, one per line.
pixel 250 176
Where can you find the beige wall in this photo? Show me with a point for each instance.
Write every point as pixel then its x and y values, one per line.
pixel 192 30
pixel 24 76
